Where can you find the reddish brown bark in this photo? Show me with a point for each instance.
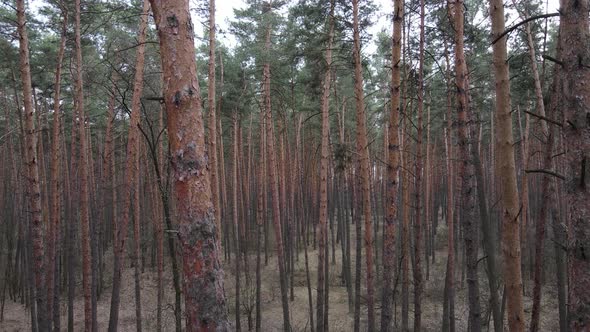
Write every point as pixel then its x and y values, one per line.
pixel 32 172
pixel 363 162
pixel 56 157
pixel 273 183
pixel 466 170
pixel 506 167
pixel 131 171
pixel 545 186
pixel 323 222
pixel 405 237
pixel 137 244
pixel 235 216
pixel 110 182
pixel 393 168
pixel 260 223
pixel 212 153
pixel 83 175
pixel 205 302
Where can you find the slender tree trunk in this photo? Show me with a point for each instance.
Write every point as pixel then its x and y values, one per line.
pixel 32 173
pixel 393 169
pixel 56 158
pixel 159 229
pixel 363 159
pixel 488 240
pixel 157 160
pixel 547 192
pixel 71 230
pixel 506 167
pixel 355 205
pixel 322 272
pixel 212 153
pixel 466 171
pixel 524 137
pixel 205 302
pixel 560 262
pixel 259 226
pixel 137 239
pixel 418 277
pixel 541 222
pixel 83 175
pixel 427 203
pixel 131 169
pixel 235 217
pixel 273 183
pixel 448 323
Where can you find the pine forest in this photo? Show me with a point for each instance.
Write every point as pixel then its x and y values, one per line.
pixel 302 165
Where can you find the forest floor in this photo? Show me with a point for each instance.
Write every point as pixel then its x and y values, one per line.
pixel 17 317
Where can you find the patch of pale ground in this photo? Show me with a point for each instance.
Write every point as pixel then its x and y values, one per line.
pixel 17 317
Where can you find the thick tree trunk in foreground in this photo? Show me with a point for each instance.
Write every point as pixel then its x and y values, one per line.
pixel 506 167
pixel 575 60
pixel 363 151
pixel 393 168
pixel 32 173
pixel 205 302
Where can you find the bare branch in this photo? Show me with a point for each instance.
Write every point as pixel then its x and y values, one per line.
pixel 545 171
pixel 544 118
pixel 514 27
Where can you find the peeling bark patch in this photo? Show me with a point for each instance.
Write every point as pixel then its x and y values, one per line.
pixel 173 23
pixel 189 28
pixel 176 98
pixel 205 277
pixel 201 230
pixel 189 166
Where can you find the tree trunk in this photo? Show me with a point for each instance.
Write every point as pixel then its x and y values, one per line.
pixel 235 217
pixel 56 158
pixel 137 241
pixel 363 160
pixel 506 167
pixel 32 174
pixel 273 183
pixel 489 238
pixel 324 164
pixel 259 225
pixel 159 229
pixel 83 175
pixel 212 153
pixel 466 171
pixel 575 59
pixel 418 278
pixel 393 168
pixel 205 302
pixel 131 170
